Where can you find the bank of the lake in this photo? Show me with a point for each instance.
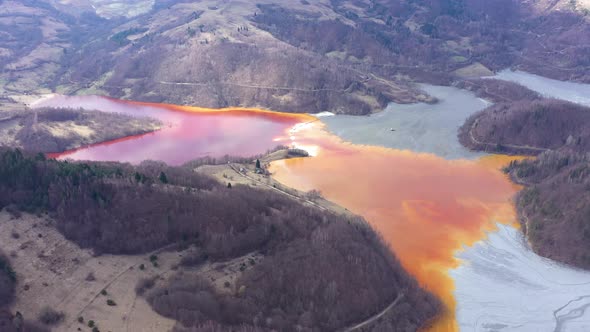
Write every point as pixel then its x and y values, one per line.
pixel 402 169
pixel 498 257
pixel 421 127
pixel 571 91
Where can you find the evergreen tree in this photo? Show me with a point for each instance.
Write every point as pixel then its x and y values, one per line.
pixel 258 163
pixel 163 178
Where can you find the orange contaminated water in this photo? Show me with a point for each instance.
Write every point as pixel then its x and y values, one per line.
pixel 425 207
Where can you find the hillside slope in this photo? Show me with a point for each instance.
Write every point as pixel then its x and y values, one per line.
pixel 310 267
pixel 554 208
pixel 51 130
pixel 528 127
pixel 342 56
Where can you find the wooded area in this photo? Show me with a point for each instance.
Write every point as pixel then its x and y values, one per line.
pixel 321 271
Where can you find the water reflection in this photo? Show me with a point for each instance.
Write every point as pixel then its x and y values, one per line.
pixel 188 132
pixel 424 206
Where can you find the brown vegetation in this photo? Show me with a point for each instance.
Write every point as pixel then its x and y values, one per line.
pixel 320 271
pixel 11 322
pixel 344 56
pixel 57 130
pixel 7 281
pixel 49 316
pixel 36 37
pixel 294 288
pixel 528 127
pixel 554 208
pixel 498 91
pixel 440 35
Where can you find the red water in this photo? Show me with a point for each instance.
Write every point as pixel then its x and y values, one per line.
pixel 188 132
pixel 425 207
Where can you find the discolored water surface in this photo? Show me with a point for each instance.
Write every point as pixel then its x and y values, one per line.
pixel 189 132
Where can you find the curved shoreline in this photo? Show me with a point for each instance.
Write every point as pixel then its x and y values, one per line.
pixel 299 136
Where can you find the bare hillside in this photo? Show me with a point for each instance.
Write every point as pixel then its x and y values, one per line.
pixel 50 130
pixel 342 56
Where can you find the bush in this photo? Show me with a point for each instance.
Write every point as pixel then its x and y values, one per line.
pixel 7 281
pixel 49 316
pixel 194 258
pixel 144 285
pixel 111 303
pixel 13 211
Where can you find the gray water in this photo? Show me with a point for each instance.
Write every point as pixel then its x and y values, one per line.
pixel 570 91
pixel 418 127
pixel 503 285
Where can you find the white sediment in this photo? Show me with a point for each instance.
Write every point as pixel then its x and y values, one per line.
pixel 323 114
pixel 502 285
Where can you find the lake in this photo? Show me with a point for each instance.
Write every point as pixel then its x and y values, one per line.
pixel 446 212
pixel 417 127
pixel 550 88
pixel 450 220
pixel 188 132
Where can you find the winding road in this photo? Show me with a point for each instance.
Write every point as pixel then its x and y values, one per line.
pixel 513 146
pixel 372 319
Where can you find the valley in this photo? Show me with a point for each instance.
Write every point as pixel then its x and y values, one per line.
pixel 390 175
pixel 266 54
pixel 273 165
pixel 467 214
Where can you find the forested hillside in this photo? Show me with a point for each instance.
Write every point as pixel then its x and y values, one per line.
pixel 50 130
pixel 320 270
pixel 554 207
pixel 528 127
pixel 342 56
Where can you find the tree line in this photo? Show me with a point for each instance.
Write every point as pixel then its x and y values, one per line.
pixel 321 271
